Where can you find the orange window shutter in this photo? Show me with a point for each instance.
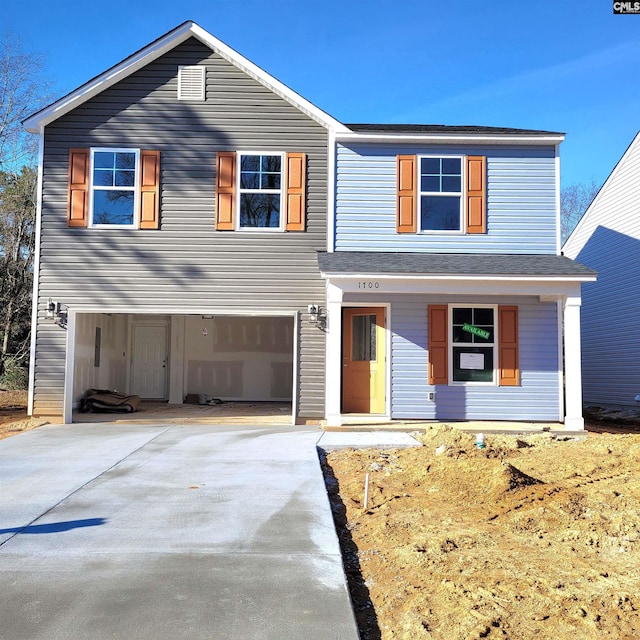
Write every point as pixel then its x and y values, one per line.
pixel 508 357
pixel 476 194
pixel 295 196
pixel 149 189
pixel 438 343
pixel 78 197
pixel 407 195
pixel 225 190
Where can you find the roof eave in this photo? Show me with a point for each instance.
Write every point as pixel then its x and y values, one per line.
pixel 452 138
pixel 461 276
pixel 39 120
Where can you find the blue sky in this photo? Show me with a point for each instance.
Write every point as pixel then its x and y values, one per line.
pixel 559 65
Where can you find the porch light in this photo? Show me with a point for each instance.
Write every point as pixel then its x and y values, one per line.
pixel 50 309
pixel 57 312
pixel 61 314
pixel 316 316
pixel 314 313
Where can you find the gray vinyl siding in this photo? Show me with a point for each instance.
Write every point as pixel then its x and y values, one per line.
pixel 537 397
pixel 607 239
pixel 186 265
pixel 521 201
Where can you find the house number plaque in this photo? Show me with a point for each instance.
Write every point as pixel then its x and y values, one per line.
pixel 368 284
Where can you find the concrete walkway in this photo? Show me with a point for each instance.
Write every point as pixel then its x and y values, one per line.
pixel 166 532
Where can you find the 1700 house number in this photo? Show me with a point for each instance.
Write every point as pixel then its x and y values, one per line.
pixel 368 285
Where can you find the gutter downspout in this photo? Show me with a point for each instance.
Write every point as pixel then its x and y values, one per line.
pixel 36 276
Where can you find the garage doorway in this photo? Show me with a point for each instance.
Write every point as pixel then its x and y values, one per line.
pixel 229 363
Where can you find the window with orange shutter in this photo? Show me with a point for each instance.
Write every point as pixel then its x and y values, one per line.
pixel 114 187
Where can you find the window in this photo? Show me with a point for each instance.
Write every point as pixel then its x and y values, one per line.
pixel 441 194
pixel 363 338
pixel 473 345
pixel 113 200
pixel 114 188
pixel 191 82
pixel 260 191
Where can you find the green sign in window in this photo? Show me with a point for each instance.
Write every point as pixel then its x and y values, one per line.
pixel 477 331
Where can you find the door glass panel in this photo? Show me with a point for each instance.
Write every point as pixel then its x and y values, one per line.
pixel 363 338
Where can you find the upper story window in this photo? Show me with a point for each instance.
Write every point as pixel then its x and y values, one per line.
pixel 260 183
pixel 441 194
pixel 114 188
pixel 113 193
pixel 191 82
pixel 441 203
pixel 261 191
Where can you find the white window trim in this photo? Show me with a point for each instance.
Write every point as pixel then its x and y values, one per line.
pixel 239 192
pixel 202 79
pixel 462 383
pixel 135 189
pixel 453 232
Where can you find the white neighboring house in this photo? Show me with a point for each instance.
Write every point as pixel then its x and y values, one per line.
pixel 607 239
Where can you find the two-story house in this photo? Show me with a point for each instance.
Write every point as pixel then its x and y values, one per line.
pixel 203 229
pixel 446 291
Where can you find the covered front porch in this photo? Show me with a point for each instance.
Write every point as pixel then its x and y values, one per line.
pixel 519 361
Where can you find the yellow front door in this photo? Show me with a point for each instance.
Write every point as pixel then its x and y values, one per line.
pixel 363 360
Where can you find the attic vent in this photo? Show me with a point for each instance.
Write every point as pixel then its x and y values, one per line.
pixel 191 83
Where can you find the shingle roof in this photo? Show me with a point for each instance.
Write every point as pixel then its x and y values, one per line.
pixel 444 128
pixel 450 264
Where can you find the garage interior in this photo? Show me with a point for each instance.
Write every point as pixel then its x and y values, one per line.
pixel 187 367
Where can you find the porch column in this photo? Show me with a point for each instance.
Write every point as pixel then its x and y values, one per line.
pixel 334 356
pixel 572 364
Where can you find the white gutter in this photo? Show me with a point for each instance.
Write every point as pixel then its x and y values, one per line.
pixel 558 204
pixel 331 190
pixel 36 277
pixel 466 277
pixel 452 138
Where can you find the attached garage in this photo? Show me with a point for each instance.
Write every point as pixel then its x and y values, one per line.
pixel 179 358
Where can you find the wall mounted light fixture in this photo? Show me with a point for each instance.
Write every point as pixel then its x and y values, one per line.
pixel 316 316
pixel 314 313
pixel 57 312
pixel 50 309
pixel 61 314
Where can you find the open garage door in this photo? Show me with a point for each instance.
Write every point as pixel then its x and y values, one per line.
pixel 187 359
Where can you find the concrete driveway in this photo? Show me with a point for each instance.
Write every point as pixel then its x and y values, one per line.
pixel 190 531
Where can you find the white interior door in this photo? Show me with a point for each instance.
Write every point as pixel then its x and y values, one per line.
pixel 149 374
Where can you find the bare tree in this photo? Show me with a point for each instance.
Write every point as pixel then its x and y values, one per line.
pixel 22 92
pixel 574 201
pixel 17 233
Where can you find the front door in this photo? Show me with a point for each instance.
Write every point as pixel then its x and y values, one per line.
pixel 149 361
pixel 363 360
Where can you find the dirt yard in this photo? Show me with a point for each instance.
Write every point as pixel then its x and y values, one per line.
pixel 531 537
pixel 528 538
pixel 13 414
